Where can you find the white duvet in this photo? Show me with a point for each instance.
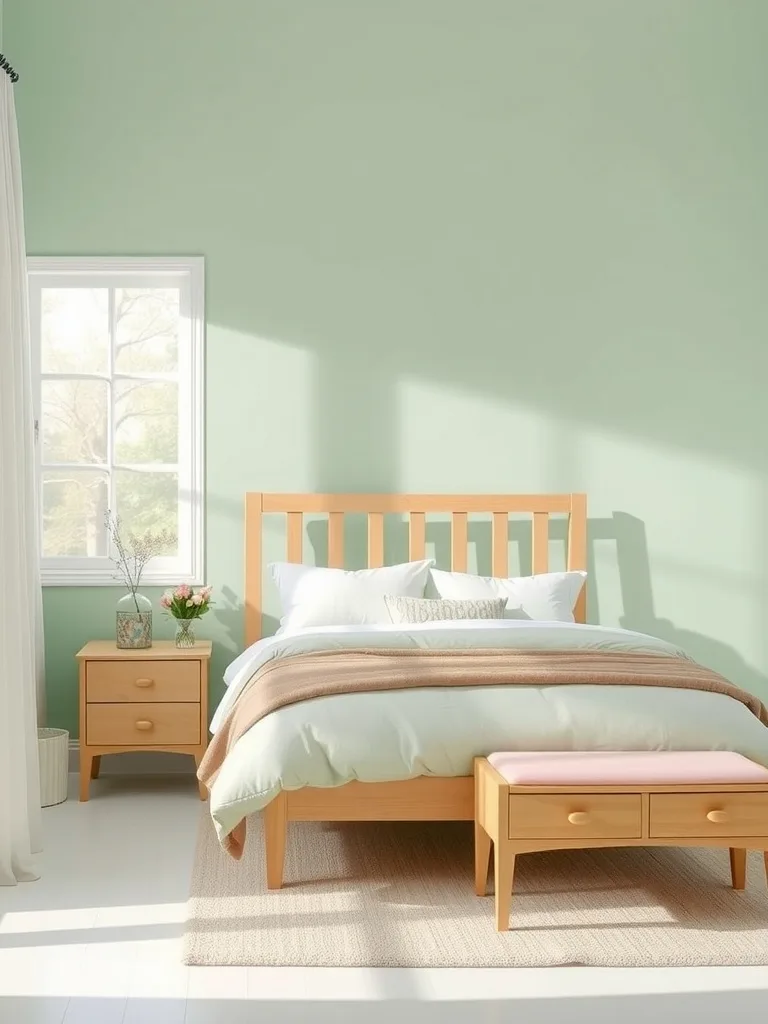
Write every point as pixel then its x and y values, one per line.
pixel 395 735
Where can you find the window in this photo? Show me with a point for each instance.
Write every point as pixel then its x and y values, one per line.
pixel 118 346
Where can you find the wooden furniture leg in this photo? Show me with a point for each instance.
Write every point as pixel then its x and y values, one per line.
pixel 96 766
pixel 482 859
pixel 765 858
pixel 275 828
pixel 86 767
pixel 504 873
pixel 738 867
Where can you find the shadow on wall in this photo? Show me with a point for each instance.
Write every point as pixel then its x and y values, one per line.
pixel 625 532
pixel 228 612
pixel 631 540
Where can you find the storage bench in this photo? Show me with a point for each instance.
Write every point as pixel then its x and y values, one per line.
pixel 532 801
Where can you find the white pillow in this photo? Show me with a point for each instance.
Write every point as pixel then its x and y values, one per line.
pixel 315 596
pixel 549 596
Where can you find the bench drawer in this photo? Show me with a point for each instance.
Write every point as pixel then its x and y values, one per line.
pixel 574 816
pixel 702 815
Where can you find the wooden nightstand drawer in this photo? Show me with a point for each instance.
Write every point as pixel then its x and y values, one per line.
pixel 682 815
pixel 120 682
pixel 577 816
pixel 150 724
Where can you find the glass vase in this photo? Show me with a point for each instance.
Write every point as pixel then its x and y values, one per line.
pixel 133 622
pixel 185 633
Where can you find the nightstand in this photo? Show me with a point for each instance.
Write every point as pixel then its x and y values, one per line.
pixel 155 698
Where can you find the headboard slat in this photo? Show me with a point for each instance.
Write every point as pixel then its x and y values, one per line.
pixel 459 542
pixel 375 539
pixel 540 549
pixel 577 548
pixel 500 544
pixel 295 537
pixel 417 536
pixel 336 540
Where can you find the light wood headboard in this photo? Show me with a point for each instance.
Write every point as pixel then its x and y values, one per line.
pixel 416 507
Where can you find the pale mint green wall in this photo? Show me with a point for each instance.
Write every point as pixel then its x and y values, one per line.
pixel 450 246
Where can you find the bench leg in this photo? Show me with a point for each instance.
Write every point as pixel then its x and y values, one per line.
pixel 738 867
pixel 504 874
pixel 482 859
pixel 765 858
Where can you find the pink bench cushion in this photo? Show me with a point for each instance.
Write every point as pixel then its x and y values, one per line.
pixel 619 768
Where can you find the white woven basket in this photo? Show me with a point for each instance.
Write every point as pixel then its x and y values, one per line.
pixel 53 747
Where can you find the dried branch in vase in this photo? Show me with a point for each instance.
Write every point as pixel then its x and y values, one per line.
pixel 134 551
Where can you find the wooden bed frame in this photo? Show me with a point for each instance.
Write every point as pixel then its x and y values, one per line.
pixel 426 798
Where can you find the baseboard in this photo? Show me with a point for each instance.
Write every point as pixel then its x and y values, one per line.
pixel 137 762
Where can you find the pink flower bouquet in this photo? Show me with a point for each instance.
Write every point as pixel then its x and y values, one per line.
pixel 186 603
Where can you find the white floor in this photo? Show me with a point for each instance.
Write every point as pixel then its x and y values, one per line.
pixel 97 940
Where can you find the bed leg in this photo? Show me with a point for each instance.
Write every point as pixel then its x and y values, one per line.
pixel 275 828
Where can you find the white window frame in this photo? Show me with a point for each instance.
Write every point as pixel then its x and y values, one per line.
pixel 99 271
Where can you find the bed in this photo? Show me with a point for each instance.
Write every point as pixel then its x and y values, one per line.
pixel 432 734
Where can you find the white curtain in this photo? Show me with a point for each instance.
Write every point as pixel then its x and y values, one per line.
pixel 20 600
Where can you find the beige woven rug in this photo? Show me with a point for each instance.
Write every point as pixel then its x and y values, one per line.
pixel 401 895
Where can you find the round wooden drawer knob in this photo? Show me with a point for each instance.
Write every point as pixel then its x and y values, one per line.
pixel 717 817
pixel 578 817
pixel 144 725
pixel 143 682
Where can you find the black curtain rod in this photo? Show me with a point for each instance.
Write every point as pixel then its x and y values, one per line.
pixel 5 66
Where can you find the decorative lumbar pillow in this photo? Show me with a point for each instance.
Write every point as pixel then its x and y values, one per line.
pixel 549 596
pixel 316 596
pixel 426 609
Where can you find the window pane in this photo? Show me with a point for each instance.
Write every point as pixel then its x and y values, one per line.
pixel 146 422
pixel 74 414
pixel 149 501
pixel 74 503
pixel 75 330
pixel 146 330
